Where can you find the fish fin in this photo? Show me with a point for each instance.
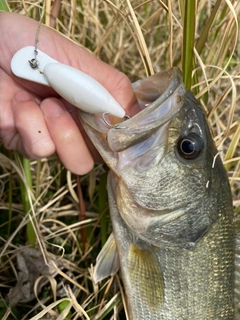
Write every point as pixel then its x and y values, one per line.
pixel 146 277
pixel 237 279
pixel 107 263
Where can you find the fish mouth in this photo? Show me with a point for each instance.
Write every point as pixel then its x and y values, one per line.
pixel 160 97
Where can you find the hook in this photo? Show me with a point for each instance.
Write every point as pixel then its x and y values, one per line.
pixel 104 119
pixel 126 117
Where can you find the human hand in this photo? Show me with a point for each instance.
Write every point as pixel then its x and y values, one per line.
pixel 33 118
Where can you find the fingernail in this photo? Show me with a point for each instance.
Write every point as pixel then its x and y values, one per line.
pixel 53 108
pixel 22 96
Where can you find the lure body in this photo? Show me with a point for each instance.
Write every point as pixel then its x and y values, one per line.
pixel 78 88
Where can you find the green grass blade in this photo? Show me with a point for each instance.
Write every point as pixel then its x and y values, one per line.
pixel 232 148
pixel 109 307
pixel 102 204
pixel 204 36
pixel 188 41
pixel 4 6
pixel 10 201
pixel 30 233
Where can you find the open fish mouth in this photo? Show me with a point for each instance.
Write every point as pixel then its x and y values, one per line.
pixel 160 97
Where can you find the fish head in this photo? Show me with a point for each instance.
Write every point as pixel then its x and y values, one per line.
pixel 167 176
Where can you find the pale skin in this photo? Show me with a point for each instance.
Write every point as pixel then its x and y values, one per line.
pixel 33 118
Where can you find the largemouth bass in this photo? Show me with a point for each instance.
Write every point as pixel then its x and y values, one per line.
pixel 170 205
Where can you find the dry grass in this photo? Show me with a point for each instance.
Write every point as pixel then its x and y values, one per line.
pixel 138 38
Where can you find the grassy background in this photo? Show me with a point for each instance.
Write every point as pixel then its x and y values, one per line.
pixel 39 199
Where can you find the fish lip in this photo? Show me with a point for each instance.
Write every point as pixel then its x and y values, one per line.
pixel 175 79
pixel 142 125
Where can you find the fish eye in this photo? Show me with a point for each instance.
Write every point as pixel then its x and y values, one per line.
pixel 190 146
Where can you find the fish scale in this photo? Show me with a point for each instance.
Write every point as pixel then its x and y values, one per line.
pixel 208 267
pixel 171 209
pixel 194 271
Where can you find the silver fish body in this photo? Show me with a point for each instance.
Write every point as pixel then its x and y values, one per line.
pixel 170 205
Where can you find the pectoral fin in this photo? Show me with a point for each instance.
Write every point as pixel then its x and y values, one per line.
pixel 145 277
pixel 107 263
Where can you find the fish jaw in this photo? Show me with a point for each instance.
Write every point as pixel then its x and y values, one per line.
pixel 155 114
pixel 159 108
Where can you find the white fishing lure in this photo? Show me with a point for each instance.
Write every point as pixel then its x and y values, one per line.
pixel 75 86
